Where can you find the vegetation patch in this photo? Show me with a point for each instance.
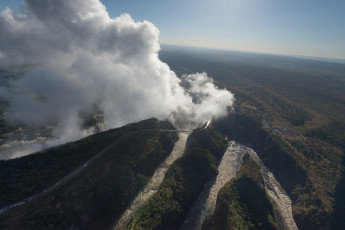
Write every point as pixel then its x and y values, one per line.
pixel 184 181
pixel 96 197
pixel 23 177
pixel 243 203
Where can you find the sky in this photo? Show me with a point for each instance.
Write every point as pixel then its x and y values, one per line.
pixel 307 27
pixel 73 60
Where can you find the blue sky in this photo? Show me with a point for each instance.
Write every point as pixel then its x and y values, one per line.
pixel 302 27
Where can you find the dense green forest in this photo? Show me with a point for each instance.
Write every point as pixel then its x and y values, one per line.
pixel 98 195
pixel 291 112
pixel 184 181
pixel 28 175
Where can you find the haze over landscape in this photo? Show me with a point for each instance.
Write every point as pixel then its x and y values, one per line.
pixel 309 28
pixel 198 115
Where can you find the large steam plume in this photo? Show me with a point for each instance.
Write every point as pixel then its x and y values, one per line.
pixel 80 59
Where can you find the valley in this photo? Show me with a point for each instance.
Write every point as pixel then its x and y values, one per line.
pixel 276 161
pixel 281 103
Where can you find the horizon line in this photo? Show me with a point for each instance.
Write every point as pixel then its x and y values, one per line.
pixel 337 60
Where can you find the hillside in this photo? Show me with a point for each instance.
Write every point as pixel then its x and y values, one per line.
pixel 99 192
pixel 291 112
pixel 25 176
pixel 308 165
pixel 184 181
pixel 243 203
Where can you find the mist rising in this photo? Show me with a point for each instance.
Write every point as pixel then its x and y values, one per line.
pixel 79 60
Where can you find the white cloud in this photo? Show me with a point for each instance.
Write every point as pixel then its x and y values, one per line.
pixel 82 59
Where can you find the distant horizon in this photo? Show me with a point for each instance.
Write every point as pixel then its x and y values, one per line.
pixel 308 28
pixel 313 58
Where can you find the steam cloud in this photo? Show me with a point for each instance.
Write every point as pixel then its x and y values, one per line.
pixel 80 60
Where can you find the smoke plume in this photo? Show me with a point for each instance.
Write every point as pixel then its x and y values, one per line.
pixel 79 60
